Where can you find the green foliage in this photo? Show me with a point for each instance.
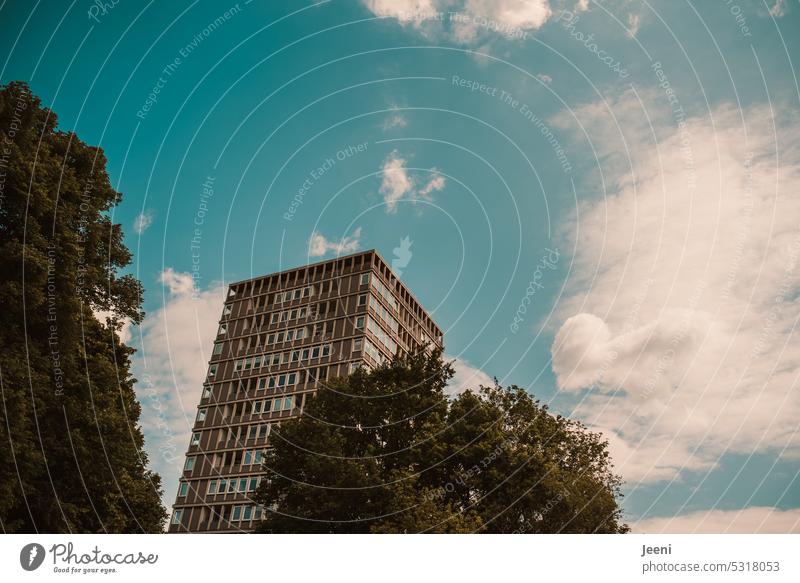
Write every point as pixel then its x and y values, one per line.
pixel 73 453
pixel 386 451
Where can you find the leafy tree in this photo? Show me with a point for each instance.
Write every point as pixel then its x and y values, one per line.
pixel 387 451
pixel 73 455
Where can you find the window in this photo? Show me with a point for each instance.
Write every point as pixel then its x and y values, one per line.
pixel 253 432
pixel 357 344
pixel 206 391
pixel 259 457
pixel 263 431
pixel 364 278
pixel 237 513
pixel 196 439
pixel 362 300
pixel 184 489
pixel 212 487
pixel 251 487
pixel 276 405
pixel 217 348
pixel 288 403
pixel 223 484
pixel 353 367
pixel 248 458
pixel 212 370
pixel 223 329
pixel 259 511
pixel 248 512
pixel 262 384
pixel 201 415
pixel 189 465
pixel 243 485
pixel 231 292
pixel 292 378
pixel 256 408
pixel 360 322
pixel 176 516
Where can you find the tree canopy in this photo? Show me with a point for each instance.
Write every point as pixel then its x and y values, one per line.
pixel 387 451
pixel 73 455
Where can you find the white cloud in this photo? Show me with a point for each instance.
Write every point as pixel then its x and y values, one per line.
pixel 403 10
pixel 124 331
pixel 633 24
pixel 142 221
pixel 177 283
pixel 466 377
pixel 394 121
pixel 523 14
pixel 753 520
pixel 173 347
pixel 469 22
pixel 397 184
pixel 434 184
pixel 318 245
pixel 779 9
pixel 681 319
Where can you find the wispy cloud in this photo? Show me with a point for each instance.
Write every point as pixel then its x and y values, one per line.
pixel 319 245
pixel 397 184
pixel 634 20
pixel 395 120
pixel 142 221
pixel 779 9
pixel 753 520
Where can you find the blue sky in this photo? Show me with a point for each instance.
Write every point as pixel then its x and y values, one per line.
pixel 600 199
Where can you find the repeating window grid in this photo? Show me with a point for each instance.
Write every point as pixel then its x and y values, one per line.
pixel 381 336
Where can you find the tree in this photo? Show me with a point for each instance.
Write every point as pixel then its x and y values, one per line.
pixel 387 451
pixel 73 458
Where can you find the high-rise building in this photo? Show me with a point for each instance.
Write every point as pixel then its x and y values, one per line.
pixel 280 337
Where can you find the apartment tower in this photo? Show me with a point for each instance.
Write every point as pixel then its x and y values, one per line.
pixel 280 337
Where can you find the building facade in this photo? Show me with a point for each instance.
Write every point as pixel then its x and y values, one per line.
pixel 280 337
